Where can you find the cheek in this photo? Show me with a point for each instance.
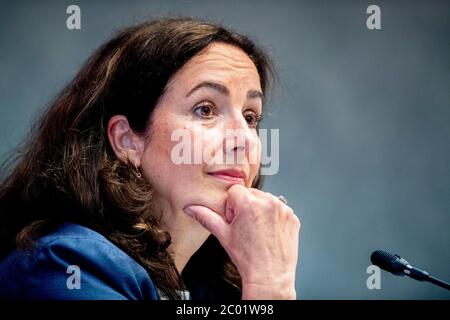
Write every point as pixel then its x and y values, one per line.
pixel 255 160
pixel 163 173
pixel 157 151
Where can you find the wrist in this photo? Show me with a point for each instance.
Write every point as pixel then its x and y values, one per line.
pixel 268 292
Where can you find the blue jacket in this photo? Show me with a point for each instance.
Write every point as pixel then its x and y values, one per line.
pixel 74 262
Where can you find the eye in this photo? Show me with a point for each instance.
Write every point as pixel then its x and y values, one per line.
pixel 252 119
pixel 204 110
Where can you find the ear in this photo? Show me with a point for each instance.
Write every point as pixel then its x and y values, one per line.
pixel 126 144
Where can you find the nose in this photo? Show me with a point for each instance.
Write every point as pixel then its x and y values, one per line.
pixel 239 139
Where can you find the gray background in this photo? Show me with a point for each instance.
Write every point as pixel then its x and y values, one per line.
pixel 364 119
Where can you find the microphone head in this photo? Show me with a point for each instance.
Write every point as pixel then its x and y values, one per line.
pixel 395 264
pixel 388 261
pixel 380 257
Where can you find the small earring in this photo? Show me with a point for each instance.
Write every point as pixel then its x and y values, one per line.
pixel 138 173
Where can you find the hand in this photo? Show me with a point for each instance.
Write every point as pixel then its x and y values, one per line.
pixel 260 233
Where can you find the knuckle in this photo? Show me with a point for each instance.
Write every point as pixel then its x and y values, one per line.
pixel 255 191
pixel 273 204
pixel 250 200
pixel 290 212
pixel 266 205
pixel 296 221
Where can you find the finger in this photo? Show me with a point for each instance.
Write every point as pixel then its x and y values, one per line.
pixel 280 199
pixel 209 219
pixel 236 194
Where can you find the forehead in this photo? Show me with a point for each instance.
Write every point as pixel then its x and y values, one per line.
pixel 220 62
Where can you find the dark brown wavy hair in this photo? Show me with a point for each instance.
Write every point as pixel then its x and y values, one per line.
pixel 66 171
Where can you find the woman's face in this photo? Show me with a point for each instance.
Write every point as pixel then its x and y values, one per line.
pixel 210 109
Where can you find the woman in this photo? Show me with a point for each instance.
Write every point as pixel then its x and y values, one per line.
pixel 97 208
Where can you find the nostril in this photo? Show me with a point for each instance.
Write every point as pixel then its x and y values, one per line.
pixel 236 148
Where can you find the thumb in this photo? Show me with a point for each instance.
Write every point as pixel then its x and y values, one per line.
pixel 209 219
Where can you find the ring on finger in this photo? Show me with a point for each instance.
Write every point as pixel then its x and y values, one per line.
pixel 282 199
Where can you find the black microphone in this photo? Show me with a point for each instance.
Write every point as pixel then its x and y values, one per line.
pixel 400 267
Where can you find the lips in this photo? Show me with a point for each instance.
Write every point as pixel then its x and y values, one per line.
pixel 233 176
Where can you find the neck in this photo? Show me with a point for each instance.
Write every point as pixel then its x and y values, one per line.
pixel 186 240
pixel 187 235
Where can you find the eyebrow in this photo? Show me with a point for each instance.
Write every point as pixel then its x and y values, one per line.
pixel 251 94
